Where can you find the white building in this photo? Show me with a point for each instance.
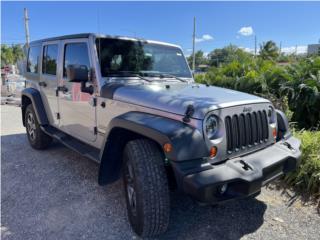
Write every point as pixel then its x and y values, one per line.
pixel 314 49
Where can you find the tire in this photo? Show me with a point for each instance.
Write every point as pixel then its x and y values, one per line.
pixel 146 188
pixel 37 138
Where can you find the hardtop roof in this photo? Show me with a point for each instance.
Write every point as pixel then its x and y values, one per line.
pixel 71 36
pixel 87 35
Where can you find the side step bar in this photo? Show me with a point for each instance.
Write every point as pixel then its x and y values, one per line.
pixel 73 143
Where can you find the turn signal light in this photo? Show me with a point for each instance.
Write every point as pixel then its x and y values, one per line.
pixel 167 147
pixel 274 132
pixel 213 151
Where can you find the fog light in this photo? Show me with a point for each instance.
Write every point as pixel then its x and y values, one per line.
pixel 223 188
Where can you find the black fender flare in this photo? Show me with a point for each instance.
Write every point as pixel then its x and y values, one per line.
pixel 283 126
pixel 35 97
pixel 188 142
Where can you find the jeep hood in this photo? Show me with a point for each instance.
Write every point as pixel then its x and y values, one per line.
pixel 175 98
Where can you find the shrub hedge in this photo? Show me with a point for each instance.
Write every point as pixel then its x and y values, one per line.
pixel 307 177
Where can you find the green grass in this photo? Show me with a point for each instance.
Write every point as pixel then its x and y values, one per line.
pixel 306 178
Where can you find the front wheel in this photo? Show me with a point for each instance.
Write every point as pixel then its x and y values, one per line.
pixel 37 138
pixel 146 188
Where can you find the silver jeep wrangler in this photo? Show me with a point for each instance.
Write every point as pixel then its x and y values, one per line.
pixel 132 106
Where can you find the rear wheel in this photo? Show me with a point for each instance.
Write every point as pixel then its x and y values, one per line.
pixel 37 138
pixel 146 188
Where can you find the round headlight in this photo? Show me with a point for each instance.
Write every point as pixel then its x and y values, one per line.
pixel 211 126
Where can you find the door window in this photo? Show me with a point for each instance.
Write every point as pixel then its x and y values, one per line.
pixel 49 60
pixel 75 54
pixel 33 59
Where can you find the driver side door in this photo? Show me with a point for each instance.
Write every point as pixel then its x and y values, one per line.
pixel 77 111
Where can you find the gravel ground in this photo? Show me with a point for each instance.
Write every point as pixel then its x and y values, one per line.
pixel 53 194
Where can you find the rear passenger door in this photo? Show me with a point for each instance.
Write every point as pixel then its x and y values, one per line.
pixel 49 81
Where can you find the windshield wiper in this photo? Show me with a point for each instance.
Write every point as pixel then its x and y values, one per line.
pixel 128 74
pixel 163 75
pixel 142 75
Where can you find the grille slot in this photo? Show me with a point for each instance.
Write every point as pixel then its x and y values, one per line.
pixel 228 132
pixel 246 130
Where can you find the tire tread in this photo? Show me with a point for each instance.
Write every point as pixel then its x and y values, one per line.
pixel 42 140
pixel 153 186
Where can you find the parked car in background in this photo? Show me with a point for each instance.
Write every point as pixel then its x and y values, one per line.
pixel 11 88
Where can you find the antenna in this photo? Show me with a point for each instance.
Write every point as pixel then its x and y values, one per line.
pixel 193 44
pixel 98 21
pixel 26 26
pixel 99 39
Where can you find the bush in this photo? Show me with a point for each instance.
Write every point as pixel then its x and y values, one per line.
pixel 297 83
pixel 307 177
pixel 303 91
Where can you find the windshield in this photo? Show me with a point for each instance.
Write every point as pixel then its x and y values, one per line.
pixel 117 56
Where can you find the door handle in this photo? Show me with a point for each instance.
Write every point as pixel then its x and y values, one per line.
pixel 63 89
pixel 42 84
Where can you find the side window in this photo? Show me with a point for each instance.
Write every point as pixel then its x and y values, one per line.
pixel 33 59
pixel 49 60
pixel 75 54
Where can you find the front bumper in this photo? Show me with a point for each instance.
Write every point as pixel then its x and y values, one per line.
pixel 242 176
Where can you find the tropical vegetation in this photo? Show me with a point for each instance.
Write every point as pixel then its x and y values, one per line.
pixel 11 54
pixel 293 86
pixel 307 177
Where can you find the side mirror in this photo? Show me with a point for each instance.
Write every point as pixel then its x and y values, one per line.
pixel 79 74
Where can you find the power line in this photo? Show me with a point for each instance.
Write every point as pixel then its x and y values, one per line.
pixel 11 43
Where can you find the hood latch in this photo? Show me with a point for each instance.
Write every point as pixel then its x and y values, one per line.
pixel 188 114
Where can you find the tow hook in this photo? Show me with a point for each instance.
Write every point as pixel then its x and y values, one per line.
pixel 245 166
pixel 288 145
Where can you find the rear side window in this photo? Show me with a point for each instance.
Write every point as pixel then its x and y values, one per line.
pixel 33 59
pixel 75 54
pixel 49 60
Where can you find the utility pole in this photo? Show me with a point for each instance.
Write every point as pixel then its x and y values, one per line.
pixel 193 45
pixel 26 26
pixel 255 45
pixel 280 48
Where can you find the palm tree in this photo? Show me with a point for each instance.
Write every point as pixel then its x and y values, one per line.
pixel 269 50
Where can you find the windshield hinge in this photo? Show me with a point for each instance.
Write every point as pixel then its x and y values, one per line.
pixel 188 114
pixel 94 102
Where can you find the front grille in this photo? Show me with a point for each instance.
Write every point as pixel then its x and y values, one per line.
pixel 246 130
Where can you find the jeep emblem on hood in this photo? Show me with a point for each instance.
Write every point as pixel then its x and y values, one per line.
pixel 247 109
